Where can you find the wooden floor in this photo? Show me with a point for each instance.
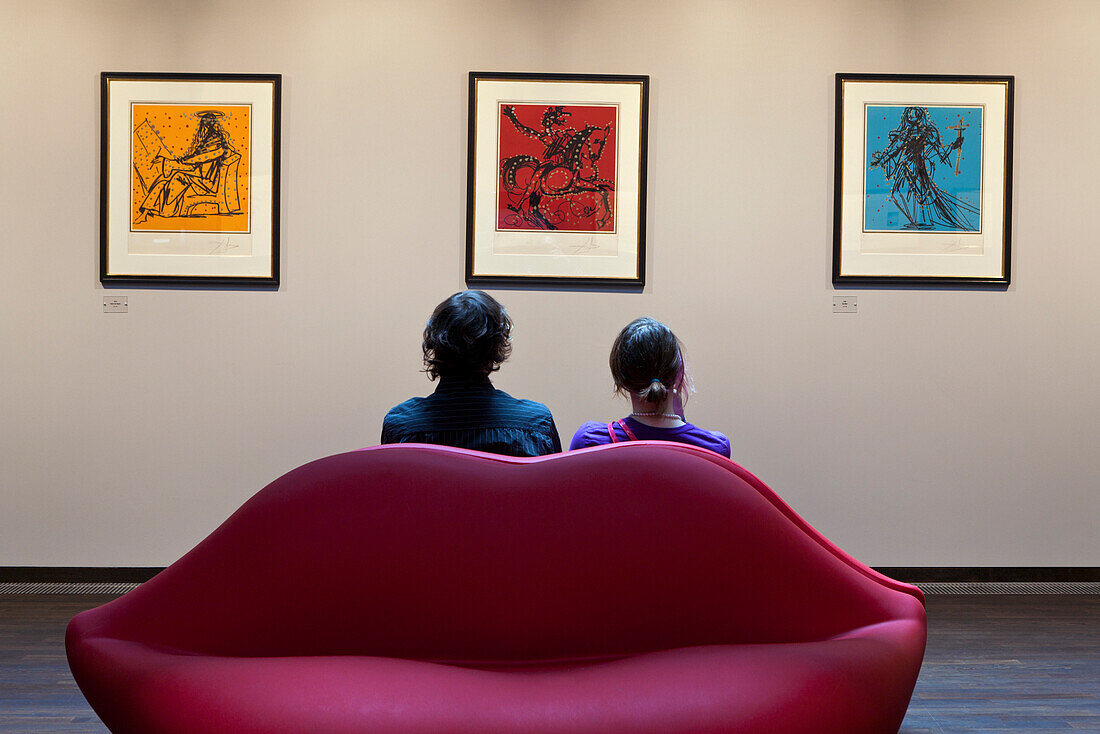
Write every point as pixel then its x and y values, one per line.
pixel 1009 663
pixel 994 664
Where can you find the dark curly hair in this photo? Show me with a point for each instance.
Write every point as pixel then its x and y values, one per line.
pixel 646 360
pixel 469 334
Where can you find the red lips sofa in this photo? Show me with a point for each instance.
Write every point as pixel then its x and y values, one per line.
pixel 639 587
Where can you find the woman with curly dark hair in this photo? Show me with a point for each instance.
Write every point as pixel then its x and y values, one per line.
pixel 467 338
pixel 647 365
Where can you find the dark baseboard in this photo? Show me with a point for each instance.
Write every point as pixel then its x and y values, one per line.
pixel 78 574
pixel 909 574
pixel 991 574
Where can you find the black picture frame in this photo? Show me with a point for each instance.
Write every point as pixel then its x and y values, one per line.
pixel 528 248
pixel 205 181
pixel 911 228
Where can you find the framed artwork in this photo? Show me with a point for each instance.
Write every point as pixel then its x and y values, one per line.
pixel 556 179
pixel 189 178
pixel 923 188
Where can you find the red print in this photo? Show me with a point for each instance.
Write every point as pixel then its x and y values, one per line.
pixel 557 167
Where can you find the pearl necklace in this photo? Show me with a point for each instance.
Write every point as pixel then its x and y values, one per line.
pixel 657 415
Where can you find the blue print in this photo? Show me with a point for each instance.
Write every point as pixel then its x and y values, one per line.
pixel 924 163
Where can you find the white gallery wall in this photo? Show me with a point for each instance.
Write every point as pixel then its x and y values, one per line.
pixel 935 427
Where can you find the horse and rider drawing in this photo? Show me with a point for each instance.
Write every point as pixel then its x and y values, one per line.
pixel 565 178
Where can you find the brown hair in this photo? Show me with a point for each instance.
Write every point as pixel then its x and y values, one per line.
pixel 469 334
pixel 646 360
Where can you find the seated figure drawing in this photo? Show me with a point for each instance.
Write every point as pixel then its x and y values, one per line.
pixel 204 175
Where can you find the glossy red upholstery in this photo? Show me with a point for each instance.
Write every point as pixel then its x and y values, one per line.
pixel 639 587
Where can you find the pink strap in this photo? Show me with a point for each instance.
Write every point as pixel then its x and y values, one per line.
pixel 611 431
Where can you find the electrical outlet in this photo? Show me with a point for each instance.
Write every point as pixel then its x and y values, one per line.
pixel 116 304
pixel 844 304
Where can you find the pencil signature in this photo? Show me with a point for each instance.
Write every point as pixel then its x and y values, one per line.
pixel 222 246
pixel 587 246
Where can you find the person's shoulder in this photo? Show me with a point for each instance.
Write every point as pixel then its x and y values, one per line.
pixel 404 410
pixel 591 427
pixel 401 421
pixel 715 441
pixel 535 407
pixel 723 442
pixel 591 433
pixel 531 407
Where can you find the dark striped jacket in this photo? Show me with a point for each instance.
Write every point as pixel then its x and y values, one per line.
pixel 470 413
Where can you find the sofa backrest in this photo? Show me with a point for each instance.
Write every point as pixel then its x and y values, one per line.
pixel 443 554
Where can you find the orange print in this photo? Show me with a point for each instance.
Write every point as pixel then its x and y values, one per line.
pixel 190 168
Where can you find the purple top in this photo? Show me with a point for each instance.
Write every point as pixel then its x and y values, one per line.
pixel 595 434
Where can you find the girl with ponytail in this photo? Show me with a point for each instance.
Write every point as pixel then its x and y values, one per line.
pixel 647 365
